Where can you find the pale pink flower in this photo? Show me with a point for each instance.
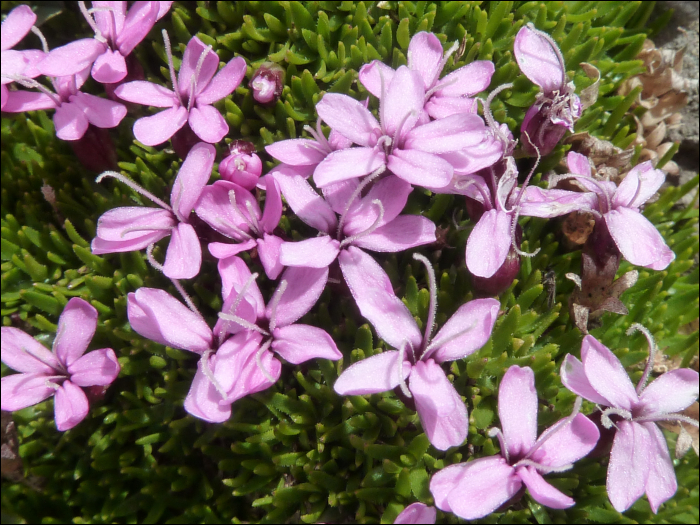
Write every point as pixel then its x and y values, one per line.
pixel 417 513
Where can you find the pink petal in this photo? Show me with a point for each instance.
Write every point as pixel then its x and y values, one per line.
pixel 445 480
pixel 467 80
pixel 19 349
pixel 671 392
pixel 76 327
pixel 477 157
pixel 146 93
pixel 298 343
pixel 661 484
pixel 70 122
pixel 578 164
pixel 138 22
pixel 24 390
pixel 273 205
pixel 191 179
pixel 607 375
pixel 517 410
pixel 71 58
pixel 442 412
pixel 235 274
pixel 157 315
pixel 542 492
pixel 20 100
pixel 442 107
pixel 308 205
pixel 486 485
pixel 372 74
pixel 20 63
pixel 163 9
pixel 99 367
pixel 538 60
pixel 569 443
pixel 489 243
pixel 100 246
pixel 297 152
pixel 100 112
pixel 208 124
pixel 184 256
pixel 110 18
pixel 70 406
pixel 417 513
pixel 109 67
pixel 374 295
pixel 638 186
pixel 222 250
pixel 403 233
pixel 378 373
pixel 224 83
pixel 317 252
pixel 348 117
pixel 538 202
pixel 244 308
pixel 269 255
pixel 239 368
pixel 425 57
pixel 203 401
pixel 18 23
pixel 348 164
pixel 214 207
pixel 478 317
pixel 631 459
pixel 403 102
pixel 158 128
pixel 304 287
pixel 420 168
pixel 194 50
pixel 338 195
pixel 573 377
pixel 391 191
pixel 132 223
pixel 232 358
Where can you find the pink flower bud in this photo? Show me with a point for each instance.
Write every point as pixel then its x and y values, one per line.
pixel 267 83
pixel 243 166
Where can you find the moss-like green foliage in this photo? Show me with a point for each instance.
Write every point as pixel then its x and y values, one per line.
pixel 298 451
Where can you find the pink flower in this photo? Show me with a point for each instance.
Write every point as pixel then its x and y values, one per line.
pixel 417 513
pixel 135 228
pixel 117 33
pixel 443 97
pixel 474 489
pixel 61 372
pixel 242 166
pixel 15 27
pixel 267 83
pixel 194 91
pixel 639 460
pixel 557 107
pixel 440 408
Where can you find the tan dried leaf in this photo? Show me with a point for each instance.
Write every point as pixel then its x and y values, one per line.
pixel 589 95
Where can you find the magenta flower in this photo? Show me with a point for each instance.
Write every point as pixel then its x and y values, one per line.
pixel 439 406
pixel 117 33
pixel 194 91
pixel 242 166
pixel 61 372
pixel 417 513
pixel 135 227
pixel 267 83
pixel 557 107
pixel 639 459
pixel 15 27
pixel 443 97
pixel 474 489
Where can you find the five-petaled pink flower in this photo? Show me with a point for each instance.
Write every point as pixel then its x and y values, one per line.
pixel 418 358
pixel 196 88
pixel 59 373
pixel 639 459
pixel 474 489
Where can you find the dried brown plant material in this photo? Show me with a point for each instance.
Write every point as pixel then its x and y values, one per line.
pixel 687 434
pixel 589 95
pixel 608 161
pixel 577 226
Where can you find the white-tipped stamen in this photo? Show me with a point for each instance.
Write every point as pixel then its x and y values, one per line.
pixel 355 194
pixel 253 218
pixel 435 344
pixel 432 308
pixel 496 432
pixel 186 297
pixel 544 469
pixel 454 47
pixel 50 384
pixel 667 417
pixel 91 22
pixel 152 260
pixel 138 189
pixel 402 382
pixel 244 290
pixel 636 327
pixel 576 279
pixel 258 360
pixel 382 99
pixel 605 416
pixel 439 86
pixel 242 322
pixel 397 134
pixel 321 137
pixel 171 67
pixel 44 43
pixel 33 84
pixel 209 374
pixel 39 358
pixel 195 76
pixel 178 200
pixel 555 47
pixel 384 142
pixel 239 212
pixel 276 298
pixel 377 222
pixel 322 145
pixel 544 437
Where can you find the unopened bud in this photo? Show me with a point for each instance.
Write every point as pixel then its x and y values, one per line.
pixel 243 166
pixel 267 83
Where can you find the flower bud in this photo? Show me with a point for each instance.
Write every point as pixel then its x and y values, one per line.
pixel 242 166
pixel 267 83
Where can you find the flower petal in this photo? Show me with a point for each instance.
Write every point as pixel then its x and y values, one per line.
pixel 638 239
pixel 224 83
pixel 76 327
pixel 348 117
pixel 203 400
pixel 241 366
pixel 99 367
pixel 538 60
pixel 475 319
pixel 24 390
pixel 517 410
pixel 391 191
pixel 158 128
pixel 607 375
pixel 489 243
pixel 348 164
pixel 214 207
pixel 308 205
pixel 573 377
pixel 70 406
pixel 269 255
pixel 468 80
pixel 442 412
pixel 138 22
pixel 100 112
pixel 146 93
pixel 273 205
pixel 372 74
pixel 70 122
pixel 317 252
pixel 538 202
pixel 72 58
pixel 304 287
pixel 297 152
pixel 445 480
pixel 442 107
pixel 208 124
pixel 568 443
pixel 109 67
pixel 448 134
pixel 374 295
pixel 338 195
pixel 420 168
pixel 638 186
pixel 20 100
pixel 578 164
pixel 191 179
pixel 15 27
pixel 298 343
pixel 19 349
pixel 131 228
pixel 673 391
pixel 542 492
pixel 184 256
pixel 403 233
pixel 425 57
pixel 188 68
pixel 661 484
pixel 631 459
pixel 378 373
pixel 417 513
pixel 235 274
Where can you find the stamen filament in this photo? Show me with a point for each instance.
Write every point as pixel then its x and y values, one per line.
pixel 554 45
pixel 44 43
pixel 186 297
pixel 258 360
pixel 636 327
pixel 402 383
pixel 33 84
pixel 91 22
pixel 171 67
pixel 38 358
pixel 276 298
pixel 355 194
pixel 545 469
pixel 513 227
pixel 397 133
pixel 193 83
pixel 232 200
pixel 133 186
pixel 553 181
pixel 321 137
pixel 209 374
pixel 152 260
pixel 556 427
pixel 496 432
pixel 144 229
pixel 605 417
pixel 430 324
pixel 245 324
pixel 368 231
pixel 668 417
pixel 253 218
pixel 435 344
